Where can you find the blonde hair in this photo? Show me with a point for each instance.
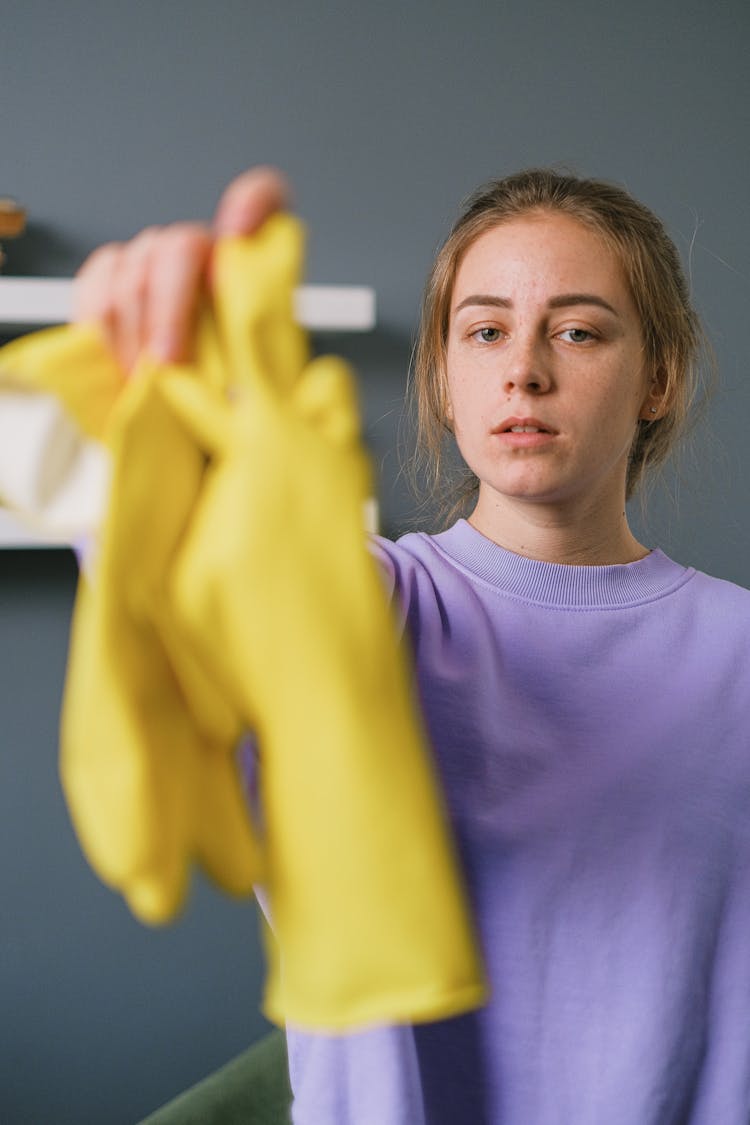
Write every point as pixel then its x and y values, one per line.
pixel 672 334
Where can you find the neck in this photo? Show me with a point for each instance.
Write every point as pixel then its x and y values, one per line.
pixel 577 534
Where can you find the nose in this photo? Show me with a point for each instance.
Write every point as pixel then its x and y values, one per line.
pixel 527 365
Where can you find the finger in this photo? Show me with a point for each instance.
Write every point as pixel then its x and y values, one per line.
pixel 177 274
pixel 132 285
pixel 94 290
pixel 250 199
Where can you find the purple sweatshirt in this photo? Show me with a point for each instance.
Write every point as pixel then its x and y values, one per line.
pixel 592 729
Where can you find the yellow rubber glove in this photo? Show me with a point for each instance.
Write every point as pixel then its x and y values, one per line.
pixel 286 606
pixel 72 363
pixel 234 588
pixel 147 742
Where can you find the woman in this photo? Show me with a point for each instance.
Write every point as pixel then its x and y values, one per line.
pixel 586 697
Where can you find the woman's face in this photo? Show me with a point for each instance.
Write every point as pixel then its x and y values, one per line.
pixel 546 369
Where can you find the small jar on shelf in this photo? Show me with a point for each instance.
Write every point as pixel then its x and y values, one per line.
pixel 12 222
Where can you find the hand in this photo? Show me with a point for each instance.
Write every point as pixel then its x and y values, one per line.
pixel 145 293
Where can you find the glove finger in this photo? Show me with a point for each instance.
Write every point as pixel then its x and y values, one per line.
pixel 326 398
pixel 256 322
pixel 52 361
pixel 199 409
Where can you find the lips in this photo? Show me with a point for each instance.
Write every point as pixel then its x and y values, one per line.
pixel 523 426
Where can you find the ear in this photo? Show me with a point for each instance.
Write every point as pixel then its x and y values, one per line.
pixel 655 405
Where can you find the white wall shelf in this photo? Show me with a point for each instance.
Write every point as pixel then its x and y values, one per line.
pixel 35 301
pixel 32 302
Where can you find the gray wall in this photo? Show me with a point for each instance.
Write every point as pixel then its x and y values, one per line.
pixel 384 115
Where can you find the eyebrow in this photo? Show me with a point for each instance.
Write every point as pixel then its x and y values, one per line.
pixel 563 301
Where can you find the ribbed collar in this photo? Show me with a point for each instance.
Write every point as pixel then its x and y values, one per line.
pixel 558 584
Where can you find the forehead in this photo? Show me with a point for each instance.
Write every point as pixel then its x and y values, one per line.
pixel 544 253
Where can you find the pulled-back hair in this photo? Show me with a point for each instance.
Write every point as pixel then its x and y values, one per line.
pixel 672 335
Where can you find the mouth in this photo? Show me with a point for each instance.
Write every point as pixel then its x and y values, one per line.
pixel 524 426
pixel 524 433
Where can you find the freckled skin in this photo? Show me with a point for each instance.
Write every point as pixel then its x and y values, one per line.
pixel 578 368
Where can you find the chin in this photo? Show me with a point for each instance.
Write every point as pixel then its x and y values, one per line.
pixel 533 490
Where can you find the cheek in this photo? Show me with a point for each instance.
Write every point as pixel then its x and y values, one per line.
pixel 615 424
pixel 464 405
pixel 468 395
pixel 619 398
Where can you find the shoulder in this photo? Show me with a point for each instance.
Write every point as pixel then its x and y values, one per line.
pixel 711 616
pixel 724 603
pixel 417 572
pixel 419 555
pixel 411 554
pixel 720 591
